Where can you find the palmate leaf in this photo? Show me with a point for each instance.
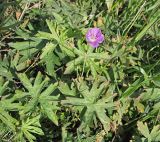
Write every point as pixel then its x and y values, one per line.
pixel 7 119
pixel 88 58
pixel 29 127
pixel 10 105
pixel 56 38
pixel 4 132
pixel 93 103
pixel 7 103
pixel 150 136
pixel 5 70
pixel 47 102
pixel 155 133
pixel 151 95
pixel 143 128
pixel 26 49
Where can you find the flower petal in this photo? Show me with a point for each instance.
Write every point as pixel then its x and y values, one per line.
pixel 95 31
pixel 94 36
pixel 100 38
pixel 94 44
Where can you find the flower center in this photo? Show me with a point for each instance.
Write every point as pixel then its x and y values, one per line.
pixel 92 38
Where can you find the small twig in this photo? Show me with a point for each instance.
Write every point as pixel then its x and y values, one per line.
pixel 5 50
pixel 113 139
pixel 23 12
pixel 36 5
pixel 5 36
pixel 59 68
pixel 33 64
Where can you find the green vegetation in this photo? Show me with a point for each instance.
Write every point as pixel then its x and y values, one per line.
pixel 55 87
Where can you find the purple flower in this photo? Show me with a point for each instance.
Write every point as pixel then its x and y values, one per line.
pixel 94 37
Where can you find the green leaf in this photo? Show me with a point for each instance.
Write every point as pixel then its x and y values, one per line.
pixel 49 90
pixel 3 88
pixel 109 4
pixel 25 44
pixel 49 111
pixel 69 51
pixel 45 35
pixel 154 18
pixel 7 119
pixel 143 128
pixel 51 60
pixel 40 94
pixel 64 89
pixel 131 89
pixel 47 49
pixel 71 66
pixel 105 120
pixel 58 17
pixel 52 28
pixel 151 94
pixel 87 119
pixel 155 133
pixel 92 104
pixel 31 126
pixel 156 80
pixel 26 82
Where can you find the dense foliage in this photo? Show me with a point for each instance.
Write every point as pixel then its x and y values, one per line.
pixel 55 87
